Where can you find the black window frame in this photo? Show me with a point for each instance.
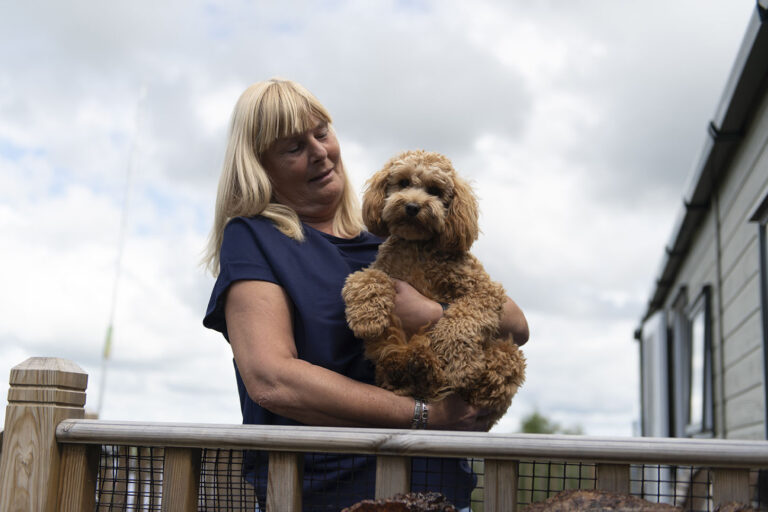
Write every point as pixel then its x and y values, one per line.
pixel 679 334
pixel 700 308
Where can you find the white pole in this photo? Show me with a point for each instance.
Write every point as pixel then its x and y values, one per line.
pixel 107 351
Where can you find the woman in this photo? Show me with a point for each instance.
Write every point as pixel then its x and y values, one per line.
pixel 287 232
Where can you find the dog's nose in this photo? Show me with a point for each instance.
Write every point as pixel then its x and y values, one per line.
pixel 412 209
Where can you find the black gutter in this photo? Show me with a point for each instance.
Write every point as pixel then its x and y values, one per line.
pixel 745 88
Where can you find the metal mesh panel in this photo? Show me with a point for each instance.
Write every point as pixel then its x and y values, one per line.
pixel 686 487
pixel 539 480
pixel 758 482
pixel 478 494
pixel 130 478
pixel 334 493
pixel 222 486
pixel 682 486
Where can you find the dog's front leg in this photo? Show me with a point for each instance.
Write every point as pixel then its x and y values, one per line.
pixel 457 344
pixel 459 337
pixel 369 296
pixel 504 373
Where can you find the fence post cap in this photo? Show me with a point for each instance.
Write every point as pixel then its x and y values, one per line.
pixel 49 372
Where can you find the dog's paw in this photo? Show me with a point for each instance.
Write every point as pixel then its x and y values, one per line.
pixel 504 372
pixel 392 373
pixel 366 322
pixel 506 360
pixel 424 368
pixel 369 296
pixel 410 370
pixel 461 359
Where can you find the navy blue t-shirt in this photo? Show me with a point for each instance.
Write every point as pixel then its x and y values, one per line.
pixel 312 273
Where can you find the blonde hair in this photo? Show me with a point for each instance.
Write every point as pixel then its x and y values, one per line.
pixel 265 112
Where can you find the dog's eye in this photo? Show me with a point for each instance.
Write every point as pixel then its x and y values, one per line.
pixel 434 191
pixel 404 183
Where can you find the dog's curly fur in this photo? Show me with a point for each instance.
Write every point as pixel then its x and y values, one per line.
pixel 428 216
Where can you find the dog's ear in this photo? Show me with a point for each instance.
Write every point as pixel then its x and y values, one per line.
pixel 373 202
pixel 461 228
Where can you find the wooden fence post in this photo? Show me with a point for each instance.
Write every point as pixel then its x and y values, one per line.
pixel 77 485
pixel 43 392
pixel 393 476
pixel 500 493
pixel 284 481
pixel 730 485
pixel 613 478
pixel 181 478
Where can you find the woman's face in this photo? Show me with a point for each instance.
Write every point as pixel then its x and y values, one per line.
pixel 306 172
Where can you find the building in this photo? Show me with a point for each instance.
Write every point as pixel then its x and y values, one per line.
pixel 704 337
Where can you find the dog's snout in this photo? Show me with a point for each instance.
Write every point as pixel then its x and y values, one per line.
pixel 412 209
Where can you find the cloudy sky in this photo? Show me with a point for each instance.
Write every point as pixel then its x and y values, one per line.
pixel 578 123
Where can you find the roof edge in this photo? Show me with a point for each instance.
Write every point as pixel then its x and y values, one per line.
pixel 745 85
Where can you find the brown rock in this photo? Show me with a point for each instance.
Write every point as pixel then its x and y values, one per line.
pixel 411 502
pixel 734 507
pixel 573 500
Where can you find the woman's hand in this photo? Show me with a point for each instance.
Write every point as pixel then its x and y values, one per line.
pixel 414 310
pixel 417 311
pixel 453 413
pixel 513 322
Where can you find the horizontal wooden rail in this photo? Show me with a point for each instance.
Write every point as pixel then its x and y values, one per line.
pixel 615 450
pixel 51 456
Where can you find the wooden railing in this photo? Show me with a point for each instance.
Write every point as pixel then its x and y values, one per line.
pixel 50 455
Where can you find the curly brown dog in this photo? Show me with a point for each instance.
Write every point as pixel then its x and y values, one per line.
pixel 428 216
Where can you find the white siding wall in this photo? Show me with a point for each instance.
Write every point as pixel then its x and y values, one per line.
pixel 737 329
pixel 744 187
pixel 697 271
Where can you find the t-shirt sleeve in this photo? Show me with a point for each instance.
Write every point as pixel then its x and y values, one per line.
pixel 242 258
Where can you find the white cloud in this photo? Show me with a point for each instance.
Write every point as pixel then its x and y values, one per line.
pixel 577 122
pixel 214 107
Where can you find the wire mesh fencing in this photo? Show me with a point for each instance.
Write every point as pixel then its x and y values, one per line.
pixel 687 486
pixel 222 484
pixel 130 478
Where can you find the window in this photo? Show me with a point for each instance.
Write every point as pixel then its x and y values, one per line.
pixel 698 367
pixel 760 216
pixel 690 368
pixel 676 368
pixel 654 390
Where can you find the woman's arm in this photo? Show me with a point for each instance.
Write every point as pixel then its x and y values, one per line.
pixel 416 311
pixel 258 315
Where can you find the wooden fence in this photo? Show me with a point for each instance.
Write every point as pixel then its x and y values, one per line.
pixel 50 455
